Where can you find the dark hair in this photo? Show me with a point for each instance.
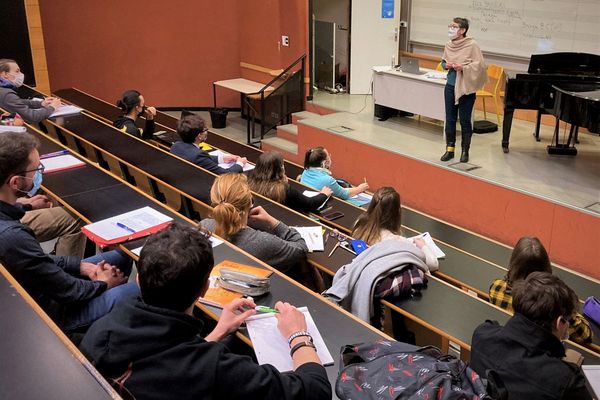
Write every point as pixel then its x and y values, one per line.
pixel 544 297
pixel 529 255
pixel 15 148
pixel 4 67
pixel 174 267
pixel 189 127
pixel 314 157
pixel 384 212
pixel 268 177
pixel 129 100
pixel 463 23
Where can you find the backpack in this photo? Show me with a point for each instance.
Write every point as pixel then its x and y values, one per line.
pixel 386 370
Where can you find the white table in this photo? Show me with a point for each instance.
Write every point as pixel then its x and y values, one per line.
pixel 241 85
pixel 413 93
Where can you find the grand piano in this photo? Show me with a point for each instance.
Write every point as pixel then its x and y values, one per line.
pixel 566 85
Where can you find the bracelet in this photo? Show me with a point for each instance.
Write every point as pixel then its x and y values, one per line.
pixel 300 345
pixel 298 334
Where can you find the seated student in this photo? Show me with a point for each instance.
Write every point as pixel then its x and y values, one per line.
pixel 193 131
pixel 529 255
pixel 317 174
pixel 527 352
pixel 251 228
pixel 382 221
pixel 269 179
pixel 74 292
pixel 32 111
pixel 153 348
pixel 133 106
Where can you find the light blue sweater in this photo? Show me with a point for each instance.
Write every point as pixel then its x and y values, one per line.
pixel 319 178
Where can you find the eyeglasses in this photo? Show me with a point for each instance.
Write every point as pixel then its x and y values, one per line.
pixel 453 26
pixel 41 168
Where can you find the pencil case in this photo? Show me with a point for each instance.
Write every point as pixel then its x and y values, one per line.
pixel 244 283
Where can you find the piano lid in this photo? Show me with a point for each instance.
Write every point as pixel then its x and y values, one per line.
pixel 565 63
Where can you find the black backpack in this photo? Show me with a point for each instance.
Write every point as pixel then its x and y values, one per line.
pixel 386 370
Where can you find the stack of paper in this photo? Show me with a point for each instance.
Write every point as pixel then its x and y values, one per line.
pixel 247 166
pixel 313 236
pixel 436 75
pixel 61 163
pixel 310 193
pixel 431 244
pixel 130 225
pixel 271 348
pixel 65 110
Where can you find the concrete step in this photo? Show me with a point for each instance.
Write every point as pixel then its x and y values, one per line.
pixel 288 149
pixel 303 115
pixel 288 132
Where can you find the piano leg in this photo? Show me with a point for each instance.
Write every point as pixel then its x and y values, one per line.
pixel 538 121
pixel 506 125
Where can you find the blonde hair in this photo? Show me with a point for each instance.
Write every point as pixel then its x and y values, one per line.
pixel 231 198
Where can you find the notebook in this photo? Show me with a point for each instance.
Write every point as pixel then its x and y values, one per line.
pixel 65 110
pixel 313 236
pixel 271 348
pixel 431 244
pixel 60 163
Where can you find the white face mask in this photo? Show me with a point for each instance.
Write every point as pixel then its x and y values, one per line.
pixel 19 79
pixel 453 33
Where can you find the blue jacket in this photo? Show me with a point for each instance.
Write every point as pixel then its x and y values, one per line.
pixel 193 154
pixel 52 281
pixel 319 177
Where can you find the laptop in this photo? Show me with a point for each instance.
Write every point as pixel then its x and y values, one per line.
pixel 410 66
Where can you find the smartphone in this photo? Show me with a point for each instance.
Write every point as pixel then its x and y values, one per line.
pixel 330 216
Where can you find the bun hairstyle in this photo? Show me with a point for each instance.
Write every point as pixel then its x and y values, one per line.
pixel 314 157
pixel 231 197
pixel 384 212
pixel 128 101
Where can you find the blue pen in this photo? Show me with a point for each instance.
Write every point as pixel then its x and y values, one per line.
pixel 123 226
pixel 54 154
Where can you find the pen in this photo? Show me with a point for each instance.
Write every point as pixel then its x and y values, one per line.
pixel 265 309
pixel 123 226
pixel 334 247
pixel 365 179
pixel 54 154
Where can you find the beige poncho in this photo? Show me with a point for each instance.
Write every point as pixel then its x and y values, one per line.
pixel 473 76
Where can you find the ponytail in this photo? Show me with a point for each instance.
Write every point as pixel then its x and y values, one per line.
pixel 230 197
pixel 314 157
pixel 128 101
pixel 228 219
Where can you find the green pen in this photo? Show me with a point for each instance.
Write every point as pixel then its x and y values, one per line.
pixel 265 309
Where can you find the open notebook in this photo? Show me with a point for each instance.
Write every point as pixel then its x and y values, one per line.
pixel 271 348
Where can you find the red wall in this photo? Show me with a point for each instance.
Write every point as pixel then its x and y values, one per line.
pixel 171 51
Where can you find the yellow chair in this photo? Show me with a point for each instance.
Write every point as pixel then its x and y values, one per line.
pixel 439 67
pixel 492 88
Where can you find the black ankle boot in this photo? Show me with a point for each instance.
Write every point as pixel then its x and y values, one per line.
pixel 464 156
pixel 449 154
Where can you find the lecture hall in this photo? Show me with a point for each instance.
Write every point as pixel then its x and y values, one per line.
pixel 300 199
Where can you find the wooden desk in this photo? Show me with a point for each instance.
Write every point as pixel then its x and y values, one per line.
pixel 412 93
pixel 38 361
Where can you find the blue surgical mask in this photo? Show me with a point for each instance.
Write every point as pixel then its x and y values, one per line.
pixel 37 183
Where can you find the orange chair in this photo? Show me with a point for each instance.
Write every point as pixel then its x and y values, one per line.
pixel 492 88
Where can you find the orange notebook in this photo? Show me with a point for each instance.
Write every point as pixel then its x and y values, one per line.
pixel 217 296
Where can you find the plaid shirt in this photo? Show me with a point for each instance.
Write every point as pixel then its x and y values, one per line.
pixel 579 327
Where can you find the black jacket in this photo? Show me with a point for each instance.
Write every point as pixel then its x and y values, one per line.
pixel 528 359
pixel 128 125
pixel 295 200
pixel 193 154
pixel 169 359
pixel 52 281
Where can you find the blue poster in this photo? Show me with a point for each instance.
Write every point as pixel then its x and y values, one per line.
pixel 387 8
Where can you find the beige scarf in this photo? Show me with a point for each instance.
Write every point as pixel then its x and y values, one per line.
pixel 473 76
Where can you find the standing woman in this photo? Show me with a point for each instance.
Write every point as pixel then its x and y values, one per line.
pixel 466 74
pixel 133 106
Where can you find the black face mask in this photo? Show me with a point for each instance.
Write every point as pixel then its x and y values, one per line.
pixel 141 113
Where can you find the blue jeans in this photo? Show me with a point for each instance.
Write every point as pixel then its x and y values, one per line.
pixel 84 314
pixel 464 110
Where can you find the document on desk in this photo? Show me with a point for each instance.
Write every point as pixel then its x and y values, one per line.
pixel 60 163
pixel 130 225
pixel 271 348
pixel 313 236
pixel 65 110
pixel 431 244
pixel 436 75
pixel 310 193
pixel 213 241
pixel 247 166
pixel 361 199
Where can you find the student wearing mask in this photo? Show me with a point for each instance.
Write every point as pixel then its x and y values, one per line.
pixel 528 256
pixel 466 74
pixel 527 353
pixel 269 180
pixel 192 130
pixel 382 221
pixel 317 174
pixel 154 348
pixel 32 111
pixel 74 292
pixel 133 105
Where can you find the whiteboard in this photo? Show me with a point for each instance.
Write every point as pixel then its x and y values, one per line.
pixel 512 27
